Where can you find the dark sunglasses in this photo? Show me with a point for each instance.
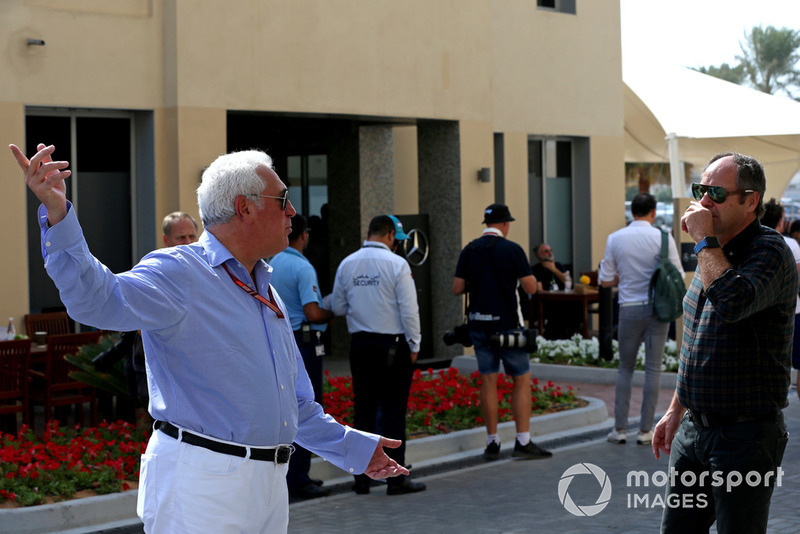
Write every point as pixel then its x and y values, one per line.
pixel 284 199
pixel 717 193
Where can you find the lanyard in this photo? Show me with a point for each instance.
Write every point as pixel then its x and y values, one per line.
pixel 271 304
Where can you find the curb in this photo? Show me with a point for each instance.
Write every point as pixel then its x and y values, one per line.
pixel 440 448
pixel 569 373
pixel 87 512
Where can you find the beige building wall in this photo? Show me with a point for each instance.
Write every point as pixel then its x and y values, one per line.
pixel 492 65
pixel 608 193
pixel 187 141
pixel 515 146
pixel 477 151
pixel 13 218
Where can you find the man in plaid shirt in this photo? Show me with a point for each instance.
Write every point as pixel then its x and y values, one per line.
pixel 724 429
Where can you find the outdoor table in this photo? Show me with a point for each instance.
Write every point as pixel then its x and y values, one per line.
pixel 581 295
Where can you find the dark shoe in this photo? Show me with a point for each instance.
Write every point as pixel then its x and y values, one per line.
pixel 405 485
pixel 492 451
pixel 361 485
pixel 317 482
pixel 531 451
pixel 309 491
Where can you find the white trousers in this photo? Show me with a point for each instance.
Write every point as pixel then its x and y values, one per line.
pixel 186 489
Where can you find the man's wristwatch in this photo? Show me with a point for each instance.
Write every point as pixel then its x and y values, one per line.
pixel 709 241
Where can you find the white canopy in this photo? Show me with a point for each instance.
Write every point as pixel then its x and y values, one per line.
pixel 708 115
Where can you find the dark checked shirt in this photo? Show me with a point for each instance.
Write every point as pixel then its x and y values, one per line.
pixel 737 337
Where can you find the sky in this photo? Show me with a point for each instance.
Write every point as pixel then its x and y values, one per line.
pixel 695 33
pixel 699 33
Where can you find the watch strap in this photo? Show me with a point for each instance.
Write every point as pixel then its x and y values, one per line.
pixel 707 242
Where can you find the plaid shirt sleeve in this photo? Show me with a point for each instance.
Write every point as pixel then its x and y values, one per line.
pixel 736 348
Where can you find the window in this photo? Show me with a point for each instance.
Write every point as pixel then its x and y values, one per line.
pixel 550 171
pixel 560 6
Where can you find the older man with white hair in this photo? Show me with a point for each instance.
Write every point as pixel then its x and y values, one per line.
pixel 228 389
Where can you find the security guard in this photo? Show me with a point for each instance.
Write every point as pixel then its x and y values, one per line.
pixel 375 290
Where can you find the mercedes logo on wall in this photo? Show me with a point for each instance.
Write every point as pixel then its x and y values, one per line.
pixel 415 248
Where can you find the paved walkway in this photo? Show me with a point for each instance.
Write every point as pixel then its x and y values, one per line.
pixel 512 496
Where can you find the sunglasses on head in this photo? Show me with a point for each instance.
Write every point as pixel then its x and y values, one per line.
pixel 717 193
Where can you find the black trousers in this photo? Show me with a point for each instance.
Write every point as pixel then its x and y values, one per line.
pixel 382 369
pixel 300 461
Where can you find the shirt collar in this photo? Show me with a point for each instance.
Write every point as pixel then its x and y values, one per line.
pixel 737 247
pixel 218 254
pixel 639 223
pixel 293 251
pixel 492 231
pixel 216 251
pixel 375 244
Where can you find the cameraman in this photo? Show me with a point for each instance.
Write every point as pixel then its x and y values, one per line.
pixel 489 270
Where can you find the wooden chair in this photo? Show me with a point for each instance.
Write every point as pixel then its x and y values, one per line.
pixel 14 363
pixel 54 387
pixel 54 323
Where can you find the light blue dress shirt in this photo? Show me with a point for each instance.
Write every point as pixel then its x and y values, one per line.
pixel 295 280
pixel 218 361
pixel 376 291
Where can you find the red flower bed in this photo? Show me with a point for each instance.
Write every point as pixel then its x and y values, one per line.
pixel 65 461
pixel 446 401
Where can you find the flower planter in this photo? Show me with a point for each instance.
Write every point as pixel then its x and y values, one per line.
pixel 113 511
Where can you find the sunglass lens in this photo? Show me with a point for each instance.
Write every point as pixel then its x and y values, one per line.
pixel 715 192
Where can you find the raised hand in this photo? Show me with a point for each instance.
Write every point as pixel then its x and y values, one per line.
pixel 45 178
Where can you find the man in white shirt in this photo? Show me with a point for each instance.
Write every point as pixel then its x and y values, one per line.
pixel 631 257
pixel 375 290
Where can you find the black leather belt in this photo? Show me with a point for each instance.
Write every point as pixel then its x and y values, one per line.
pixel 714 420
pixel 279 454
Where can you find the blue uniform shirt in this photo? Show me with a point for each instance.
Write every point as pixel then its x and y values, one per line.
pixel 295 280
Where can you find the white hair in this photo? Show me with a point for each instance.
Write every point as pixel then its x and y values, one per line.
pixel 228 177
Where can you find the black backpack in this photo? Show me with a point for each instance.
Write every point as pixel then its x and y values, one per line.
pixel 666 287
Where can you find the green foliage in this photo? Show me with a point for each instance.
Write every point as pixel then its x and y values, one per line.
pixel 769 56
pixel 655 177
pixel 729 73
pixel 112 380
pixel 768 62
